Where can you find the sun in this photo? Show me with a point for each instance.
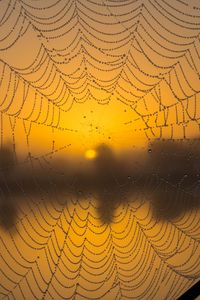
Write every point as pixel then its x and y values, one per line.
pixel 90 154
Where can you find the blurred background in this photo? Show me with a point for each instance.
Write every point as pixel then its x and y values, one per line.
pixel 99 148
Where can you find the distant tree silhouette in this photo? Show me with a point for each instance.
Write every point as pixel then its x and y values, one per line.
pixel 7 207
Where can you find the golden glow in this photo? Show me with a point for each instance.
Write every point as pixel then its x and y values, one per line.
pixel 75 76
pixel 90 154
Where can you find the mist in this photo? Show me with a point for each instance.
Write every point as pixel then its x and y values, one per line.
pixel 167 174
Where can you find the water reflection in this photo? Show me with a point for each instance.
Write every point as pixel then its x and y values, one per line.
pixel 167 174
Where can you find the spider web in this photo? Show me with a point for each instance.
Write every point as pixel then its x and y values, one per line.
pixel 144 55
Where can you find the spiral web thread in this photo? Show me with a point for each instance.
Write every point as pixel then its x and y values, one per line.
pixel 132 51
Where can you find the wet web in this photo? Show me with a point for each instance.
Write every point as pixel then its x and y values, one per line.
pixel 146 56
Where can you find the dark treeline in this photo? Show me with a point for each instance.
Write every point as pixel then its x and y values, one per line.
pixel 167 174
